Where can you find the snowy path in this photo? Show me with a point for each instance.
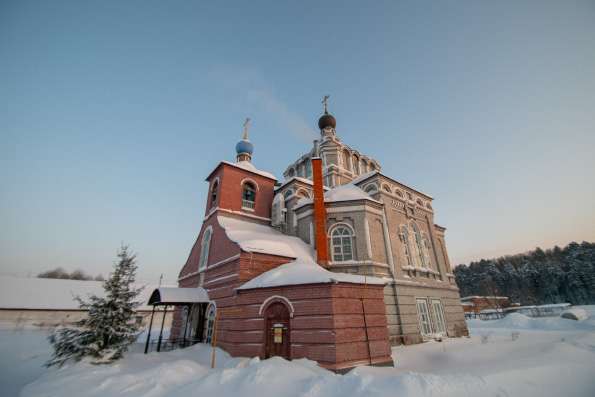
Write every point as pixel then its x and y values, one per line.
pixel 548 357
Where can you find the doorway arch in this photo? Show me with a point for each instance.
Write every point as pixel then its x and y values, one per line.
pixel 277 330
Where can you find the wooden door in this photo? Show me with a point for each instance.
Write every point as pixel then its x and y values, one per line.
pixel 277 331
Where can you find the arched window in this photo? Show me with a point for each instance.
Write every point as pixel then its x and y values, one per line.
pixel 308 168
pixel 399 193
pixel 291 172
pixel 346 160
pixel 364 167
pixel 419 202
pixel 209 324
pixel 404 236
pixel 427 248
pixel 214 192
pixel 356 165
pixel 205 245
pixel 342 244
pixel 371 188
pixel 419 244
pixel 386 188
pixel 248 196
pixel 302 194
pixel 287 194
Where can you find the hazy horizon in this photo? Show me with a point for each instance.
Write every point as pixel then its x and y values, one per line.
pixel 113 113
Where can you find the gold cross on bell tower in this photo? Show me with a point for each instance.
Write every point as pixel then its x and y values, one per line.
pixel 246 127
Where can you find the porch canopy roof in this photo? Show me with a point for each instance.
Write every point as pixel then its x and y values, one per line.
pixel 178 296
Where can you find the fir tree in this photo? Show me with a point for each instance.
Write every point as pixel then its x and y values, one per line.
pixel 107 331
pixel 552 276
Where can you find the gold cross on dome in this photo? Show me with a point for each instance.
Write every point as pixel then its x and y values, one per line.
pixel 325 103
pixel 246 127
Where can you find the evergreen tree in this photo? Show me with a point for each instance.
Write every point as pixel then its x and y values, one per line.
pixel 107 331
pixel 537 277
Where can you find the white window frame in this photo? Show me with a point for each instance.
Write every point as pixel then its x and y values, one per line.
pixel 423 317
pixel 209 324
pixel 248 204
pixel 418 243
pixel 214 192
pixel 438 316
pixel 205 247
pixel 341 245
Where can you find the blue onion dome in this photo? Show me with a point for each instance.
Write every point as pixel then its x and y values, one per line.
pixel 244 146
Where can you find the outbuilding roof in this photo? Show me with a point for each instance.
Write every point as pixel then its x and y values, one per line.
pixel 178 296
pixel 55 294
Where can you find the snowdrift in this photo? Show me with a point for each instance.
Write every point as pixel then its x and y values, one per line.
pixel 514 356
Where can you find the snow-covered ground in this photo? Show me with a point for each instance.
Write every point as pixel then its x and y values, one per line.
pixel 514 356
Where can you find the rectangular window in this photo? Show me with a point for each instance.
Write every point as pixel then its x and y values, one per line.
pixel 423 316
pixel 438 312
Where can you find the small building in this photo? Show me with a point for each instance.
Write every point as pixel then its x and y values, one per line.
pixel 48 303
pixel 490 306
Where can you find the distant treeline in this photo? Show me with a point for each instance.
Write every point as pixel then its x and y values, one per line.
pixel 63 274
pixel 538 277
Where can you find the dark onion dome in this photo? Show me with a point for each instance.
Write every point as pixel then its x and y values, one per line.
pixel 244 146
pixel 327 120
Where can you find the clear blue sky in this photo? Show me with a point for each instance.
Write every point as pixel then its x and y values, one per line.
pixel 112 113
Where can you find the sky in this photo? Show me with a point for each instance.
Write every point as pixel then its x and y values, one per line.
pixel 112 113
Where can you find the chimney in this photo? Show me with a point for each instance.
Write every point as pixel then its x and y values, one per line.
pixel 319 209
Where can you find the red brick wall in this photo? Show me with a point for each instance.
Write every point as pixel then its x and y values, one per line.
pixel 327 325
pixel 221 248
pixel 230 190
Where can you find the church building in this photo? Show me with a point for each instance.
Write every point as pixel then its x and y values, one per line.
pixel 335 263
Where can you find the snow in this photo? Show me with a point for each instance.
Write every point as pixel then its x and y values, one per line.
pixel 365 176
pixel 506 357
pixel 255 237
pixel 55 294
pixel 248 166
pixel 179 295
pixel 575 313
pixel 24 351
pixel 295 273
pixel 348 192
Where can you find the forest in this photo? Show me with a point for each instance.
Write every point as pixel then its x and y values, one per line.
pixel 555 275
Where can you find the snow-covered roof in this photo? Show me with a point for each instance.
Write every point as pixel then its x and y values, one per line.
pixel 296 178
pixel 466 298
pixel 254 237
pixel 370 174
pixel 248 166
pixel 296 273
pixel 365 176
pixel 173 295
pixel 54 294
pixel 348 192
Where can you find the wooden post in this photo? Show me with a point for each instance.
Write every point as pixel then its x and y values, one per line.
pixel 365 323
pixel 161 332
pixel 214 339
pixel 149 333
